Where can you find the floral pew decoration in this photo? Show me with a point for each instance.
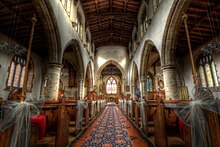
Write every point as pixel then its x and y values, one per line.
pixel 18 114
pixel 192 114
pixel 81 105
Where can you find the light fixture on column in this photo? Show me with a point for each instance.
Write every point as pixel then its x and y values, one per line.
pixel 159 75
pixel 64 74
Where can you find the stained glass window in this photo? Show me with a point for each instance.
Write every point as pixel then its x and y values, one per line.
pixel 214 74
pixel 207 71
pixel 209 75
pixel 16 73
pixel 202 76
pixel 111 86
pixel 149 84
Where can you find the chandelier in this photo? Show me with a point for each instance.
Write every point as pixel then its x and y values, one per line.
pixel 211 48
pixel 64 74
pixel 12 48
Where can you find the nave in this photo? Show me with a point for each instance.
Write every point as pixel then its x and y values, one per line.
pixel 65 59
pixel 111 128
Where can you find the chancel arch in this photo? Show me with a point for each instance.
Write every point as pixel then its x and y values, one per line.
pixel 108 69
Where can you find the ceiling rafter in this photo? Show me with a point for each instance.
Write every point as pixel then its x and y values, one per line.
pixel 15 23
pixel 111 20
pixel 203 24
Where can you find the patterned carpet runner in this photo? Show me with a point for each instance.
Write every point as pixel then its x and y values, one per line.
pixel 111 129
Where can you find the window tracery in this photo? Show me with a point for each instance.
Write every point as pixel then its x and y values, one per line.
pixel 16 73
pixel 111 86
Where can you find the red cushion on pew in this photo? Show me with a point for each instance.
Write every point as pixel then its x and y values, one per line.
pixel 40 120
pixel 181 128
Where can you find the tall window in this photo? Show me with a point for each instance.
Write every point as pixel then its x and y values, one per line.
pixel 111 86
pixel 16 73
pixel 207 71
pixel 66 5
pixel 79 26
pixel 149 84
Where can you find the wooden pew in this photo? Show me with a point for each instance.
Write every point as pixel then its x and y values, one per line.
pixel 62 133
pixel 133 110
pixel 213 121
pixel 137 114
pixel 160 130
pixel 6 135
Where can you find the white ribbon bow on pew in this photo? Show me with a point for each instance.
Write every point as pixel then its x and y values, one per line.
pixel 81 105
pixel 92 107
pixel 124 105
pixel 130 107
pixel 141 105
pixel 120 103
pixel 191 114
pixel 19 114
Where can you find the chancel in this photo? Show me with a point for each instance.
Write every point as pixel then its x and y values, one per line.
pixel 105 73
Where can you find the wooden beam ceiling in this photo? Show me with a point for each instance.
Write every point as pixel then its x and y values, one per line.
pixel 203 24
pixel 15 23
pixel 111 21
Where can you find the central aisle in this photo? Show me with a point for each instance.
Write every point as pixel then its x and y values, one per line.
pixel 111 129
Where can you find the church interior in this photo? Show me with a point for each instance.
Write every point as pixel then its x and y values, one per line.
pixel 106 73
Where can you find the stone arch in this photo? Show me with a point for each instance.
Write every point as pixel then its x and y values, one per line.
pixel 75 56
pixel 88 78
pixel 171 32
pixel 46 13
pixel 145 57
pixel 107 63
pixel 134 78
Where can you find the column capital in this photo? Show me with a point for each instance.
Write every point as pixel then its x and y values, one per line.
pixel 55 64
pixel 169 66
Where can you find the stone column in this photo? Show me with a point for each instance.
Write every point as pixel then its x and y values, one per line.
pixel 53 79
pixel 132 91
pixel 80 89
pixel 170 82
pixel 90 86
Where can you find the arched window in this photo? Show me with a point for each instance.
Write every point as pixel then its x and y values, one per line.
pixel 144 21
pixel 207 71
pixel 79 27
pixel 67 5
pixel 111 86
pixel 149 84
pixel 16 73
